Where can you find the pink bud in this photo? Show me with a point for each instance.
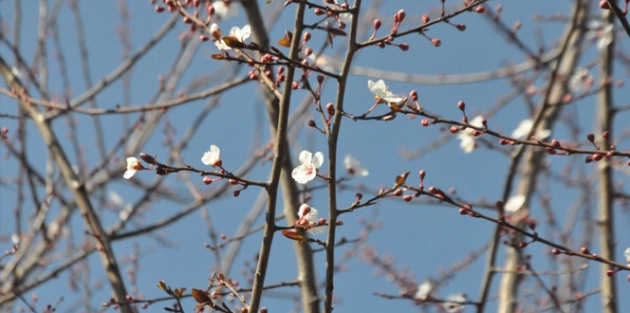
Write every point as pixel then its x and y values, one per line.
pixel 404 47
pixel 330 108
pixel 413 95
pixel 377 24
pixel 401 15
pixel 422 174
pixel 454 129
pixel 461 105
pixel 425 122
pixel 436 42
pixel 425 19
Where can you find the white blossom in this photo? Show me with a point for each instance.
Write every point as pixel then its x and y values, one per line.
pixel 224 9
pixel 525 126
pixel 308 214
pixel 424 290
pixel 307 219
pixel 466 137
pixel 239 33
pixel 307 170
pixel 133 166
pixel 581 81
pixel 212 157
pixel 514 203
pixel 627 254
pixel 115 199
pixel 453 303
pixel 382 94
pixel 606 37
pixel 354 166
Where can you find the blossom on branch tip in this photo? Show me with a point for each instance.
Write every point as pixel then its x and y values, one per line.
pixel 212 157
pixel 133 166
pixel 307 216
pixel 354 166
pixel 453 303
pixel 467 137
pixel 307 170
pixel 307 219
pixel 525 127
pixel 237 36
pixel 424 290
pixel 383 95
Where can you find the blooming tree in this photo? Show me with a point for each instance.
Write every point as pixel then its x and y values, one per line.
pixel 109 187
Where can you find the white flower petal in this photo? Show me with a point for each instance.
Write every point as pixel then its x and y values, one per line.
pixel 318 160
pixel 424 290
pixel 453 304
pixel 305 157
pixel 523 128
pixel 354 166
pixel 212 157
pixel 514 203
pixel 224 10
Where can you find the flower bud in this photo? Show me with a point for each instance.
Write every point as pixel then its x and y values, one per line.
pixel 377 24
pixel 400 15
pixel 436 42
pixel 330 108
pixel 207 180
pixel 413 95
pixel 461 105
pixel 149 159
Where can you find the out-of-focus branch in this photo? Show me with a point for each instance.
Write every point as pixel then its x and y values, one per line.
pixel 532 158
pixel 606 196
pixel 79 192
